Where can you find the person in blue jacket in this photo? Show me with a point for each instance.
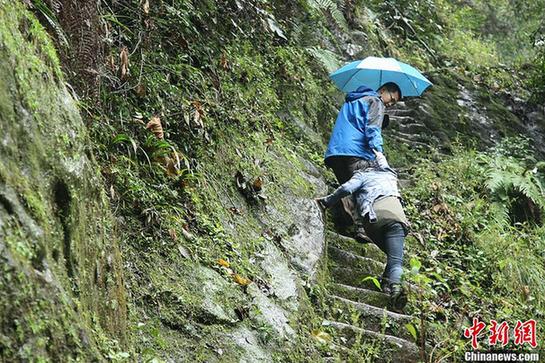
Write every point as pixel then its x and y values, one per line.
pixel 357 133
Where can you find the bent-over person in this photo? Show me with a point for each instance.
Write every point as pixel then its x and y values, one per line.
pixel 378 203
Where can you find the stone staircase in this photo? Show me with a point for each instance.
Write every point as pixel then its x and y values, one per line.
pixel 409 129
pixel 357 310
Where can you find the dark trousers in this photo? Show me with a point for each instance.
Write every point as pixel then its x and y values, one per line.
pixel 390 239
pixel 345 166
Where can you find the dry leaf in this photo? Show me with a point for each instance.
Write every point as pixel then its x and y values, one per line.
pixel 172 233
pixel 111 62
pixel 198 114
pixel 526 291
pixel 440 207
pixel 224 63
pixel 140 90
pixel 241 280
pixel 321 336
pixel 145 7
pixel 155 126
pixel 173 168
pixel 258 184
pixel 172 163
pixel 223 263
pixel 184 252
pixel 187 234
pixel 124 59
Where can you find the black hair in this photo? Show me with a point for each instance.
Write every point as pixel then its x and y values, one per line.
pixel 392 87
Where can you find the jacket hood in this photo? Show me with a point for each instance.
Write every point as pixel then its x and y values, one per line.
pixel 362 91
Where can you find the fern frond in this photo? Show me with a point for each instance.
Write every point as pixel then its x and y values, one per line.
pixel 326 58
pixel 508 179
pixel 495 180
pixel 50 17
pixel 331 7
pixel 500 213
pixel 339 18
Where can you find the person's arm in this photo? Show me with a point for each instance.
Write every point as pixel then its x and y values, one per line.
pixel 381 160
pixel 373 129
pixel 346 189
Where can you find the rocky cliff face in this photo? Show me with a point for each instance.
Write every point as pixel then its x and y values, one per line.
pixel 220 256
pixel 61 284
pixel 61 287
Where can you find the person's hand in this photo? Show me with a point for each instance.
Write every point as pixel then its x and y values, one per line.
pixel 381 159
pixel 322 207
pixel 321 204
pixel 379 155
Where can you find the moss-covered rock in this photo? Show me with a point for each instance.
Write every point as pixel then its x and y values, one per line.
pixel 61 285
pixel 222 251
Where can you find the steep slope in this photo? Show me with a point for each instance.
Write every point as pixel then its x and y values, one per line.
pixel 61 285
pixel 208 135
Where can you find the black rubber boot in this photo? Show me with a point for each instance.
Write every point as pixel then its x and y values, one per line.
pixel 361 236
pixel 321 204
pixel 385 285
pixel 398 298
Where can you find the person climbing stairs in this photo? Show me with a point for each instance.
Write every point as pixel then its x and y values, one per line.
pixel 358 312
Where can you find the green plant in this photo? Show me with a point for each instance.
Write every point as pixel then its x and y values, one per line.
pixel 51 19
pixel 330 6
pixel 326 58
pixel 515 185
pixel 537 80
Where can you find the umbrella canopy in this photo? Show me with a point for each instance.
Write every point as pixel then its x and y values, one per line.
pixel 374 72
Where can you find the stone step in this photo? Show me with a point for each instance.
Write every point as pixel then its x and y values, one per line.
pixel 370 317
pixel 398 118
pixel 369 250
pixel 375 298
pixel 400 112
pixel 414 128
pixel 353 277
pixel 413 144
pixel 345 258
pixel 393 349
pixel 336 352
pixel 417 136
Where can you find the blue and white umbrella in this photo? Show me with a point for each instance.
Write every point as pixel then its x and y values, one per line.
pixel 374 72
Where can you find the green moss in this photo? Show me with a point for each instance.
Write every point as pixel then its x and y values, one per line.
pixel 62 266
pixel 232 98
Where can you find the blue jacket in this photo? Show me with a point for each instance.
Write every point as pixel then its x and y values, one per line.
pixel 358 127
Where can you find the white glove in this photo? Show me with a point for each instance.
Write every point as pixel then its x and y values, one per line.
pixel 381 160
